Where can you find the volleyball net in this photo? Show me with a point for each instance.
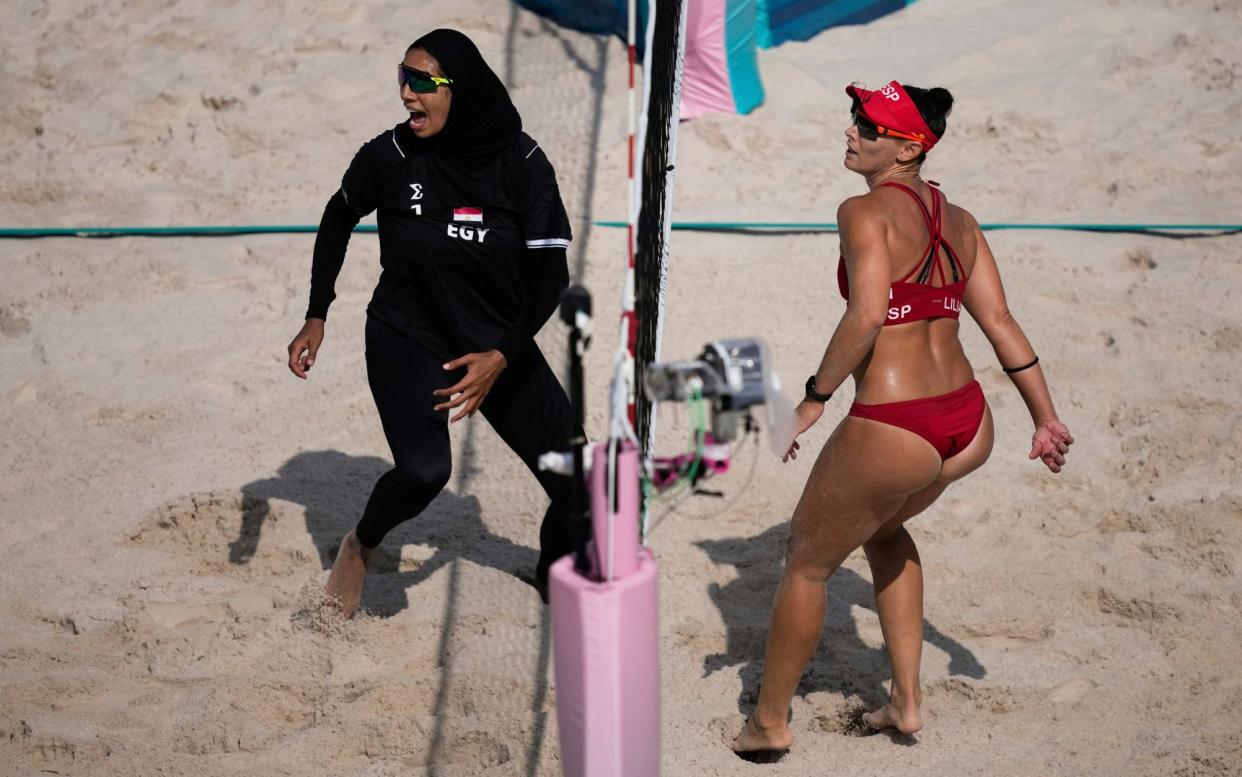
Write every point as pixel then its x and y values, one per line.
pixel 662 79
pixel 653 149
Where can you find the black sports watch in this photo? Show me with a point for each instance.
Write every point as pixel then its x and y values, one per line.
pixel 814 395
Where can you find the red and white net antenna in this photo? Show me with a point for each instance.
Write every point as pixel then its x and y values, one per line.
pixel 623 397
pixel 628 316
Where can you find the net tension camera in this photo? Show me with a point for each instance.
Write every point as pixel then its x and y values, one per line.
pixel 731 375
pixel 726 381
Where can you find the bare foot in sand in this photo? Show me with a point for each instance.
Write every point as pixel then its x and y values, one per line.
pixel 899 713
pixel 344 586
pixel 762 744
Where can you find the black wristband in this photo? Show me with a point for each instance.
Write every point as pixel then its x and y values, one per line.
pixel 1012 370
pixel 814 395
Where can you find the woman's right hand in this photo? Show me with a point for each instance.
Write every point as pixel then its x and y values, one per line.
pixel 1050 443
pixel 304 347
pixel 805 415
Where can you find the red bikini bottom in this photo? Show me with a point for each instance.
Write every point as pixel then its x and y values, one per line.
pixel 949 422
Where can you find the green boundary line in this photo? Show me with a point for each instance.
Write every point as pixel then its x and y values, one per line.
pixel 192 231
pixel 829 226
pixel 753 227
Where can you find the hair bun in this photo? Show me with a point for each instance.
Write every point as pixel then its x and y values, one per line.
pixel 942 99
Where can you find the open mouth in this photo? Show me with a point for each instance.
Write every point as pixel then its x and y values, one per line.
pixel 418 120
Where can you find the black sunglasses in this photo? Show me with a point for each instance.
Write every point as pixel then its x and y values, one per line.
pixel 419 82
pixel 867 130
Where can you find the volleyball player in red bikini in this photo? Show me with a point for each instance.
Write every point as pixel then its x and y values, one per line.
pixel 909 262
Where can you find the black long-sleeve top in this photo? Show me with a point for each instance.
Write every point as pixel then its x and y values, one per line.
pixel 473 258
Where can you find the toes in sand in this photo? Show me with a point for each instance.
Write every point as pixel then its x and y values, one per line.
pixel 344 587
pixel 907 719
pixel 762 745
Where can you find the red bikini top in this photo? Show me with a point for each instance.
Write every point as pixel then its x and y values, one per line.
pixel 919 300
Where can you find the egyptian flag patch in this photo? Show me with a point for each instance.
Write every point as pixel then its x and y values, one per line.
pixel 468 214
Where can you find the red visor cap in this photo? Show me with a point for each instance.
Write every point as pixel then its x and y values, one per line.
pixel 891 107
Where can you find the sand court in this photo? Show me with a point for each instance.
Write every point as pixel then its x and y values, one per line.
pixel 171 498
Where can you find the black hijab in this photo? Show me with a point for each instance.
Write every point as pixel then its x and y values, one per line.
pixel 482 121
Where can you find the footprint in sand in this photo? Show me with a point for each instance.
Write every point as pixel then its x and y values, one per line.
pixel 992 698
pixel 1140 258
pixel 219 531
pixel 845 718
pixel 1071 691
pixel 1227 338
pixel 479 749
pixel 12 322
pixel 1132 609
pixel 240 715
pixel 1006 632
pixel 46 750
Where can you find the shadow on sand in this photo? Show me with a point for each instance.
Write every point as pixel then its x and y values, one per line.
pixel 843 663
pixel 333 488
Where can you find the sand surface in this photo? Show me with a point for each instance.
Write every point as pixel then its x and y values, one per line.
pixel 171 497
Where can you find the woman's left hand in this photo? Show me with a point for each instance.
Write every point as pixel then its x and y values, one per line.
pixel 806 414
pixel 482 369
pixel 1050 443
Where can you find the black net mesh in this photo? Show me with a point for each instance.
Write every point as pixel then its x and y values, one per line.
pixel 664 62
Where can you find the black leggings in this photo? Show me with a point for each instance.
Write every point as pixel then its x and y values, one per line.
pixel 526 406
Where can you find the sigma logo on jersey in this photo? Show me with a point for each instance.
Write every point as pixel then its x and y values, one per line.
pixel 474 215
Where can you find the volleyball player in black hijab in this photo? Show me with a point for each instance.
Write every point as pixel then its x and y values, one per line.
pixel 473 236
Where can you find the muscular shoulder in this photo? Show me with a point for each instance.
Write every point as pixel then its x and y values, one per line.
pixel 862 213
pixel 962 217
pixel 961 231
